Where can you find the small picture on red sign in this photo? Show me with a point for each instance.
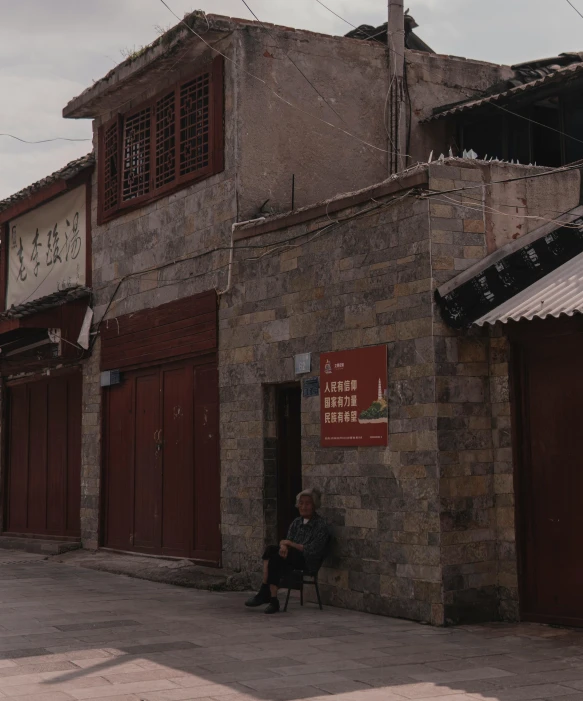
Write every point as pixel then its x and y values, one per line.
pixel 354 397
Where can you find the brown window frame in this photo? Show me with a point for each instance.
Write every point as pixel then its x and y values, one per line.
pixel 215 72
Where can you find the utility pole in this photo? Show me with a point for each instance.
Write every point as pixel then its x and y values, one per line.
pixel 397 113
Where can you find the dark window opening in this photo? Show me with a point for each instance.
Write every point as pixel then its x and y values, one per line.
pixel 535 134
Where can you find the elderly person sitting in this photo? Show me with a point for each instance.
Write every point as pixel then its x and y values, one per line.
pixel 304 549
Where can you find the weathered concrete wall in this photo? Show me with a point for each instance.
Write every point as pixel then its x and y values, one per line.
pixel 276 140
pixel 434 81
pixel 517 208
pixel 363 283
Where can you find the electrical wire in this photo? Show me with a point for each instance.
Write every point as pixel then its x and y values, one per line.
pixel 491 210
pixel 576 10
pixel 294 63
pixel 336 14
pixel 42 141
pixel 271 250
pixel 552 171
pixel 485 93
pixel 264 83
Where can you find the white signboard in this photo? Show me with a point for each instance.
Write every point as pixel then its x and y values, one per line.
pixel 48 249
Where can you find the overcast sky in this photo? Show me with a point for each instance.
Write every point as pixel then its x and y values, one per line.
pixel 51 50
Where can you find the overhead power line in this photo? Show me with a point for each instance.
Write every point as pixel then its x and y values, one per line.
pixel 576 10
pixel 336 14
pixel 294 63
pixel 41 141
pixel 266 85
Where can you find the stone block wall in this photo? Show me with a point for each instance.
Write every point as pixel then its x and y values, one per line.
pixel 90 450
pixel 475 462
pixel 466 460
pixel 503 476
pixel 364 282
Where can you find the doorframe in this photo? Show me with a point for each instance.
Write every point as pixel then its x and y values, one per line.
pixel 520 335
pixel 278 389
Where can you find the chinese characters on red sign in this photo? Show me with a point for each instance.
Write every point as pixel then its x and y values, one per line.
pixel 353 397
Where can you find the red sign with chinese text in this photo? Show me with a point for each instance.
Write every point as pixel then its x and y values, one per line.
pixel 353 397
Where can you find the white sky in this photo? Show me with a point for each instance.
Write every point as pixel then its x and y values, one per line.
pixel 51 50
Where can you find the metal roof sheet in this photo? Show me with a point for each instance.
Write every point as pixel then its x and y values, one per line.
pixel 560 292
pixel 559 76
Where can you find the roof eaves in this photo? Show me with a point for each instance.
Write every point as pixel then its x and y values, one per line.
pixel 562 75
pixel 70 171
pixel 212 27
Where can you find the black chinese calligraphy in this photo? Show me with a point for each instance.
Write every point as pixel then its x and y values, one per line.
pixel 22 273
pixel 74 247
pixel 53 247
pixel 34 255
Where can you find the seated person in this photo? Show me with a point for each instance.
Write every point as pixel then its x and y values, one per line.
pixel 304 549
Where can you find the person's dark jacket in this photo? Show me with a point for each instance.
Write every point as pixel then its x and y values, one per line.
pixel 314 536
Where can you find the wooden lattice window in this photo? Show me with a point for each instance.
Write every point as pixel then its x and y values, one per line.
pixel 194 125
pixel 136 155
pixel 162 145
pixel 110 178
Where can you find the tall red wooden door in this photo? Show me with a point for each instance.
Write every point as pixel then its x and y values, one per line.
pixel 44 457
pixel 161 462
pixel 550 485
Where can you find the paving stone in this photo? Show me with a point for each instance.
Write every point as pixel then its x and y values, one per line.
pixel 180 644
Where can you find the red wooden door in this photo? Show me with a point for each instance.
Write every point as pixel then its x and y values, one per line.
pixel 177 458
pixel 44 457
pixel 161 462
pixel 551 480
pixel 147 461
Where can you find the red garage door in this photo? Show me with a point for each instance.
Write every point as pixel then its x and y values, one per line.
pixel 161 431
pixel 44 457
pixel 162 466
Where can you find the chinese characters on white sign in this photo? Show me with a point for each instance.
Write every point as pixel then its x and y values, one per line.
pixel 47 249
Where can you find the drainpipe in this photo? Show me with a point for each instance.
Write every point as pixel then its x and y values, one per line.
pixel 397 112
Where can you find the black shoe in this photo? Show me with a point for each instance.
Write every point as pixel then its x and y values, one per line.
pixel 273 605
pixel 263 596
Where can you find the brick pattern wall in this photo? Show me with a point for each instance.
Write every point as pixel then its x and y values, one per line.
pixel 90 451
pixel 363 283
pixel 477 533
pixel 503 476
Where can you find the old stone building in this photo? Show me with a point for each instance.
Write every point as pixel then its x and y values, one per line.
pixel 250 239
pixel 45 298
pixel 425 527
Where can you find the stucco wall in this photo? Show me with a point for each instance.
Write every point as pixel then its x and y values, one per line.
pixel 276 140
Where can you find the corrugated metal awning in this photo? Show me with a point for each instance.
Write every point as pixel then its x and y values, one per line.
pixel 559 292
pixel 512 272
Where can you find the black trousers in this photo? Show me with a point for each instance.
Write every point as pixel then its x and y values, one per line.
pixel 280 566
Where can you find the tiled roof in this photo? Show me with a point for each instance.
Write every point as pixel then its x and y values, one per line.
pixel 49 302
pixel 69 171
pixel 561 75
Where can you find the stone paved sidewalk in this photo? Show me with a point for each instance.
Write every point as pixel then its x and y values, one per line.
pixel 70 633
